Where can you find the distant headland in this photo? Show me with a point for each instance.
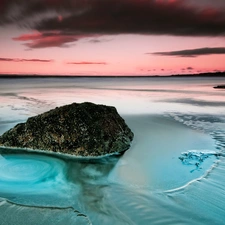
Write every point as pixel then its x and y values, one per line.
pixel 220 87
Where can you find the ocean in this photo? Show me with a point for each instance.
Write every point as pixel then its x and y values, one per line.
pixel 172 174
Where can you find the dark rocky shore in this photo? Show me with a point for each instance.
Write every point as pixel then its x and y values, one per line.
pixel 84 129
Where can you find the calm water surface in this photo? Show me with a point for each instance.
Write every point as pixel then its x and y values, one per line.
pixel 172 174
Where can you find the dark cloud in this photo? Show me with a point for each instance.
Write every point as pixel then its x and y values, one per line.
pixel 25 60
pixel 50 39
pixel 208 3
pixel 109 17
pixel 87 63
pixel 146 16
pixel 192 52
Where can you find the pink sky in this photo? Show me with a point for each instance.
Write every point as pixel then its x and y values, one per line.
pixel 112 37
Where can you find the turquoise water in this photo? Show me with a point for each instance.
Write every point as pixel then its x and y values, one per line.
pixel 172 174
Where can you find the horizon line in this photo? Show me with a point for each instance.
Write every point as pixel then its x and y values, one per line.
pixel 221 73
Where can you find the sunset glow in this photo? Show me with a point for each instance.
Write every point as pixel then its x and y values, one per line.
pixel 112 37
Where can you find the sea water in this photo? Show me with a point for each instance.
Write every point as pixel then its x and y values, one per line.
pixel 172 174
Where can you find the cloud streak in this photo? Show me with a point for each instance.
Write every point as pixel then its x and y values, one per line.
pixel 87 63
pixel 193 52
pixel 50 39
pixel 25 60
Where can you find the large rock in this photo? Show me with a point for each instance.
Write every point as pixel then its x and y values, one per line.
pixel 84 129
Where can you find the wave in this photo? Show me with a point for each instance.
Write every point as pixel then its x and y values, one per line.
pixel 15 213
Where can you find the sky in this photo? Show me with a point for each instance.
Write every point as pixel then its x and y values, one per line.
pixel 112 37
